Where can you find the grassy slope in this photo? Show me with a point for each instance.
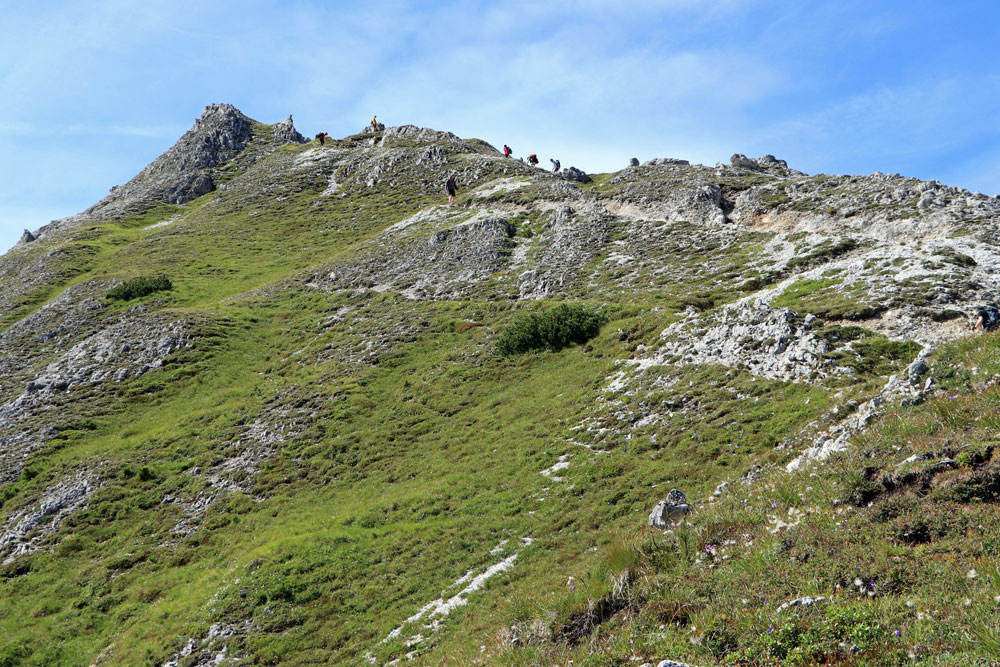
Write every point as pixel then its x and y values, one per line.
pixel 398 478
pixel 904 553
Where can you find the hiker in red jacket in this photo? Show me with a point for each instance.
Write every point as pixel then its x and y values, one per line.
pixel 533 160
pixel 322 137
pixel 506 150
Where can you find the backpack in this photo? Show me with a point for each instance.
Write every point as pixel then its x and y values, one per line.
pixel 991 317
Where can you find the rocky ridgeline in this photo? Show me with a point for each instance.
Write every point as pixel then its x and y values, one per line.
pixel 930 257
pixel 193 166
pixel 188 169
pixel 201 161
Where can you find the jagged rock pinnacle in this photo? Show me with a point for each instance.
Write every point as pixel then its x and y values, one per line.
pixel 187 170
pixel 287 132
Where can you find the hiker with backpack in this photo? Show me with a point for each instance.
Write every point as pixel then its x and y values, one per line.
pixel 451 188
pixel 987 318
pixel 322 137
pixel 533 160
pixel 555 165
pixel 506 150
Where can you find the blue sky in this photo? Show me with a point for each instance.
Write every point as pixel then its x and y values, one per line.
pixel 94 90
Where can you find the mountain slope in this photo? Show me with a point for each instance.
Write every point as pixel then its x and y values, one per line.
pixel 308 450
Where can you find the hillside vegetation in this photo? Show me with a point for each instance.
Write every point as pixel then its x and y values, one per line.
pixel 277 402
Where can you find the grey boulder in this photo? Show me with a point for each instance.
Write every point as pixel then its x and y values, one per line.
pixel 669 510
pixel 663 161
pixel 743 162
pixel 574 174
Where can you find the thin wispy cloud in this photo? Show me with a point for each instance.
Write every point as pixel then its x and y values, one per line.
pixel 157 131
pixel 77 130
pixel 902 125
pixel 94 91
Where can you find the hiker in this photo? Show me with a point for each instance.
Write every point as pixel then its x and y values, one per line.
pixel 322 137
pixel 450 186
pixel 987 318
pixel 555 165
pixel 506 150
pixel 533 160
pixel 374 123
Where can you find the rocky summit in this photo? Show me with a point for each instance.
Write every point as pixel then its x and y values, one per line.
pixel 277 401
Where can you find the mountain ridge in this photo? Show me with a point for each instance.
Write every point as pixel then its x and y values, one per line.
pixel 309 440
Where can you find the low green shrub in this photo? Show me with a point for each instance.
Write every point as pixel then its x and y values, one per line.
pixel 137 287
pixel 552 330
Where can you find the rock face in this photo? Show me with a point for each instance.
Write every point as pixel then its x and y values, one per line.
pixel 182 193
pixel 670 195
pixel 572 239
pixel 285 132
pixel 772 343
pixel 448 261
pixel 26 237
pixel 186 171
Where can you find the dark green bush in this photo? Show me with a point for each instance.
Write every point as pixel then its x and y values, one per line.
pixel 14 654
pixel 552 330
pixel 137 287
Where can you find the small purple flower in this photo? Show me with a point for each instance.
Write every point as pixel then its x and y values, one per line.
pixel 897 633
pixel 773 505
pixel 769 629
